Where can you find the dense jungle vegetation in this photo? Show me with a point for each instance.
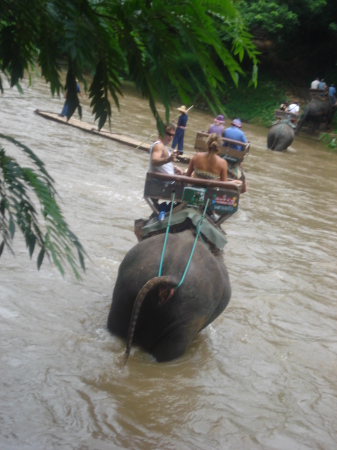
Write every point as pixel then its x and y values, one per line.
pixel 297 41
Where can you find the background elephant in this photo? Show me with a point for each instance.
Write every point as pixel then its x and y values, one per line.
pixel 317 111
pixel 280 136
pixel 168 319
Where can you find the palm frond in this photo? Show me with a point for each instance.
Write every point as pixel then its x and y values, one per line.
pixel 18 211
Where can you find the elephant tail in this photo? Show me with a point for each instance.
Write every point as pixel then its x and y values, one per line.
pixel 151 284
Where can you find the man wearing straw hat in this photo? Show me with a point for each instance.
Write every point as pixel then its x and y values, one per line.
pixel 180 131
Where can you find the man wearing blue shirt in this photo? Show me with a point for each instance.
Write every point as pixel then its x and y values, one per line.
pixel 234 132
pixel 332 92
pixel 180 130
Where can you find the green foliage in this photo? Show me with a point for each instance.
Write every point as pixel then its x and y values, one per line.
pixel 271 16
pixel 330 141
pixel 142 39
pixel 17 210
pixel 255 105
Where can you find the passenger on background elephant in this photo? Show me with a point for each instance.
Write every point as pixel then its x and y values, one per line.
pixel 217 126
pixel 322 85
pixel 332 93
pixel 234 132
pixel 283 106
pixel 293 108
pixel 315 83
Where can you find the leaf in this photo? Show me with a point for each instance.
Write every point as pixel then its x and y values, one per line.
pixel 31 240
pixel 11 227
pixel 2 245
pixel 40 258
pixel 18 185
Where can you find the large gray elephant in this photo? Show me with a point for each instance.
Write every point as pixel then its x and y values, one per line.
pixel 280 136
pixel 162 318
pixel 317 111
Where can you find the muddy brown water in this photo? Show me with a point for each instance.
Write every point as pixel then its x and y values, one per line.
pixel 262 376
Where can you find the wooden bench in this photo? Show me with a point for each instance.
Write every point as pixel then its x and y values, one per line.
pixel 225 195
pixel 279 114
pixel 201 146
pixel 321 94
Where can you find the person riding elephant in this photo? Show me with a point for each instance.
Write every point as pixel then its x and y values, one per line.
pixel 318 110
pixel 280 136
pixel 162 317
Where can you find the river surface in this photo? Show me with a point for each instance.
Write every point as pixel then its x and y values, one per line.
pixel 262 376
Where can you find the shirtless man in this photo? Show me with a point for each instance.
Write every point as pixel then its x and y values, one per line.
pixel 161 157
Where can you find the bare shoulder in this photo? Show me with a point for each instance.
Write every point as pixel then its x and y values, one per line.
pixel 221 162
pixel 159 147
pixel 199 155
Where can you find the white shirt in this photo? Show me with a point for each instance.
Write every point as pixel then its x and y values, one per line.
pixel 314 84
pixel 293 108
pixel 165 168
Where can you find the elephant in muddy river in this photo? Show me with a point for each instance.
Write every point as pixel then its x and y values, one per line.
pixel 317 111
pixel 161 317
pixel 280 136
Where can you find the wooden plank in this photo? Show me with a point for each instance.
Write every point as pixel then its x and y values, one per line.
pixel 279 114
pixel 90 129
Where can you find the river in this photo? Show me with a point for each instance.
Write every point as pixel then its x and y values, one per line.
pixel 262 376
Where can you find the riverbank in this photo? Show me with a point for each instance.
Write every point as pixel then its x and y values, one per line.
pixel 257 105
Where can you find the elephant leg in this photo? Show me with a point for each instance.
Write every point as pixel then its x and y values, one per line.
pixel 174 343
pixel 271 140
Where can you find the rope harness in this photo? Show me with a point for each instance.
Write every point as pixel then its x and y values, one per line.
pixel 198 230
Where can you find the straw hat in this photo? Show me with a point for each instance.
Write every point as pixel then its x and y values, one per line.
pixel 182 109
pixel 219 119
pixel 237 123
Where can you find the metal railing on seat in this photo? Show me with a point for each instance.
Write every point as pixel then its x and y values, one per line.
pixel 223 196
pixel 201 146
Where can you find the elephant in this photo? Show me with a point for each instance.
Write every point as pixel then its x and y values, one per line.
pixel 280 136
pixel 318 110
pixel 164 318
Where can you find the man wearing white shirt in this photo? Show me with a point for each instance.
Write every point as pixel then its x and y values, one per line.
pixel 314 84
pixel 294 108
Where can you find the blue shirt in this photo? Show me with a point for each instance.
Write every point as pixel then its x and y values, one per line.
pixel 236 134
pixel 182 121
pixel 332 91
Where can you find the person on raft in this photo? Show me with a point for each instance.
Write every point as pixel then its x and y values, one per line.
pixel 180 131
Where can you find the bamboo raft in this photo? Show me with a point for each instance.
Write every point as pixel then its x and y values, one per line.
pixel 90 129
pixel 200 142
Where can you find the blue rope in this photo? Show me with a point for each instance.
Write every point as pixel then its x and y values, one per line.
pixel 198 230
pixel 166 235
